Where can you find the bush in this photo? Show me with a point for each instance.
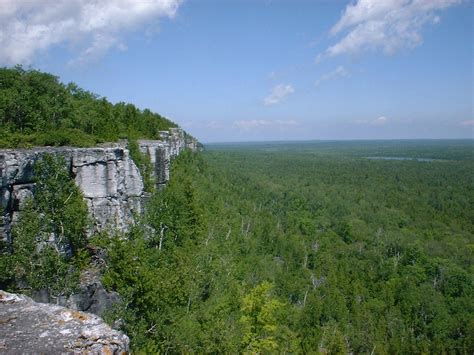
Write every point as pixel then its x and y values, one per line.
pixel 143 163
pixel 48 240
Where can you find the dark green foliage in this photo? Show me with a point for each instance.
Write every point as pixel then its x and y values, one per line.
pixel 160 274
pixel 143 163
pixel 60 202
pixel 37 109
pixel 50 236
pixel 302 252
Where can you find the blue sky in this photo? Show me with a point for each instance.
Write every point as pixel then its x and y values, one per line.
pixel 262 70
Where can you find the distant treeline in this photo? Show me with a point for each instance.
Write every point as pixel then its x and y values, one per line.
pixel 439 149
pixel 37 109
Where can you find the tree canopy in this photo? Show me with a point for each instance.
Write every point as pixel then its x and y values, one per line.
pixel 257 251
pixel 37 109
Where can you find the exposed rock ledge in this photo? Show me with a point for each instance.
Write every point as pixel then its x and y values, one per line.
pixel 108 177
pixel 30 327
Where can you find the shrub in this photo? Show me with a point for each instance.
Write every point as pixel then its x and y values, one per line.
pixel 48 240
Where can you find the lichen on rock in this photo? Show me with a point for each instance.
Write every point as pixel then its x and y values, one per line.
pixel 30 327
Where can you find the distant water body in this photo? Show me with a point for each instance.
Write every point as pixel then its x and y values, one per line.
pixel 404 158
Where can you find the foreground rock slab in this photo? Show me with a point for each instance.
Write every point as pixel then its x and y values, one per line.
pixel 30 327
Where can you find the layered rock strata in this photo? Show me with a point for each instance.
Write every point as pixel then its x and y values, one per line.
pixel 107 176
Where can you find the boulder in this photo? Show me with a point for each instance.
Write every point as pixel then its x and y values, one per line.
pixel 27 327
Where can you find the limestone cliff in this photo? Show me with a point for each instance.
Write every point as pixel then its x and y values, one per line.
pixel 109 179
pixel 27 327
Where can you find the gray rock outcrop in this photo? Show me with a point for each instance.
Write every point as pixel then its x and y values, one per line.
pixel 109 179
pixel 27 327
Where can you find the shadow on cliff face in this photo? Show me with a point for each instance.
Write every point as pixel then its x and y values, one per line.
pixel 91 295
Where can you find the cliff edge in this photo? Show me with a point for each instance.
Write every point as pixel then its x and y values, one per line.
pixel 30 327
pixel 108 177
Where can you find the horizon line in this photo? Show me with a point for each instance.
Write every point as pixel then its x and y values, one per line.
pixel 338 140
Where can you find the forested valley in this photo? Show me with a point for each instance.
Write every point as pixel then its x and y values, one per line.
pixel 309 248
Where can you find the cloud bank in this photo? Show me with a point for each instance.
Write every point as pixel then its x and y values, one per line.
pixel 279 92
pixel 387 25
pixel 30 27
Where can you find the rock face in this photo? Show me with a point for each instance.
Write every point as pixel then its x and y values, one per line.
pixel 30 327
pixel 109 179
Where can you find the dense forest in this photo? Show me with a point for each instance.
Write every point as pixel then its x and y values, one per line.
pixel 37 109
pixel 303 250
pixel 309 247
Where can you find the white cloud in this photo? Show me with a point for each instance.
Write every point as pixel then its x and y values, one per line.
pixel 272 76
pixel 204 124
pixel 379 121
pixel 468 123
pixel 256 124
pixel 29 27
pixel 214 125
pixel 279 92
pixel 287 122
pixel 339 72
pixel 387 25
pixel 319 58
pixel 250 124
